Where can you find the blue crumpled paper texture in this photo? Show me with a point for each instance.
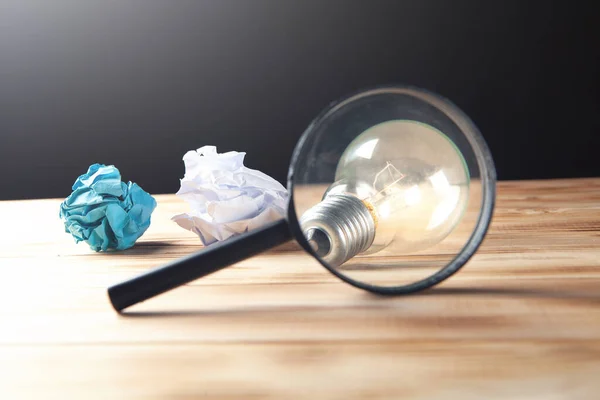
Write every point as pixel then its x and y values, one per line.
pixel 105 212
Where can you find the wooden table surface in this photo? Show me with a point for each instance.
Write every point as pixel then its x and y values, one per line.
pixel 520 321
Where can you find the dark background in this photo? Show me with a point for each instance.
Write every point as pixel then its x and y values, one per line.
pixel 138 83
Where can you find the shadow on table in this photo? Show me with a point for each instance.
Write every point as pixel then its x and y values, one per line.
pixel 514 293
pixel 179 249
pixel 372 301
pixel 153 247
pixel 245 310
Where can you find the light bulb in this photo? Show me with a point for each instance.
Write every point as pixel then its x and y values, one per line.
pixel 400 183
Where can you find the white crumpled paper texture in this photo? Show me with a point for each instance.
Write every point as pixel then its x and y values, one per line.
pixel 225 197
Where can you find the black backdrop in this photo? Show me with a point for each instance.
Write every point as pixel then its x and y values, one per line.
pixel 138 83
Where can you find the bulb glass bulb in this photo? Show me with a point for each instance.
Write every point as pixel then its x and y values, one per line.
pixel 412 178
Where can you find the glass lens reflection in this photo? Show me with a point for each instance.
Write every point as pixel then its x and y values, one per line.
pixel 399 199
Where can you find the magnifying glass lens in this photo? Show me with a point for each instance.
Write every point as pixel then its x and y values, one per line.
pixel 387 187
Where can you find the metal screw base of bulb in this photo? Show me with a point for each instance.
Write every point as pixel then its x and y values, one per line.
pixel 338 228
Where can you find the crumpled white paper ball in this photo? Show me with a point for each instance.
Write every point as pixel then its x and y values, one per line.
pixel 227 198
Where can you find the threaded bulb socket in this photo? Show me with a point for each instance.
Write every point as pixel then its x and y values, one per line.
pixel 338 228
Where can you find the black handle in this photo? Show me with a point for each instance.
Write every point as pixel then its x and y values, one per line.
pixel 206 261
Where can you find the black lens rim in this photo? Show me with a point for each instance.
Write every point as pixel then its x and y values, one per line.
pixel 488 182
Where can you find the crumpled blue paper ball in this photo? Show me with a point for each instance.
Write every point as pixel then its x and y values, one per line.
pixel 105 212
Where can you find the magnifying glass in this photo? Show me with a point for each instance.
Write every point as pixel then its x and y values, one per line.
pixel 391 189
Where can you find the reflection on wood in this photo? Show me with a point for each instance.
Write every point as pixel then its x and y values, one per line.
pixel 520 321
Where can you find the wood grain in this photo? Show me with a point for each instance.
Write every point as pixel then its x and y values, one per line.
pixel 520 321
